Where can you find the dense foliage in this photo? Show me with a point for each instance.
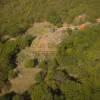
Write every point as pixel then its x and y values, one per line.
pixel 80 57
pixel 74 73
pixel 17 15
pixel 8 52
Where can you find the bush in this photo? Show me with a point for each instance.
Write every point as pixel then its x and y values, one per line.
pixel 55 19
pixel 40 77
pixel 24 41
pixel 41 92
pixel 17 21
pixel 12 74
pixel 17 97
pixel 31 63
pixel 8 59
pixel 79 55
pixel 8 54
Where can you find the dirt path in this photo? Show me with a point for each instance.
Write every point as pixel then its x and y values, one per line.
pixel 48 42
pixel 45 43
pixel 25 79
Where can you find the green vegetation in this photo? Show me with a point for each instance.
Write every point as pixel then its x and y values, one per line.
pixel 73 72
pixel 12 74
pixel 55 19
pixel 14 96
pixel 80 57
pixel 31 63
pixel 40 92
pixel 18 97
pixel 24 41
pixel 8 53
pixel 25 12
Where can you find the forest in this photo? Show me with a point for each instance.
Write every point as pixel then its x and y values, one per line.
pixel 72 71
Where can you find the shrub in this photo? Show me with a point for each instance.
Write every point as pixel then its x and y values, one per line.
pixel 23 41
pixel 31 63
pixel 17 21
pixel 41 92
pixel 40 77
pixel 79 55
pixel 12 74
pixel 55 19
pixel 18 97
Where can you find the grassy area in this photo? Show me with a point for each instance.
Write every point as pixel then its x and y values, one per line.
pixel 73 73
pixel 17 16
pixel 80 56
pixel 8 55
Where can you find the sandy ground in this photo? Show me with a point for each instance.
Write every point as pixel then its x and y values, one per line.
pixel 25 80
pixel 47 42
